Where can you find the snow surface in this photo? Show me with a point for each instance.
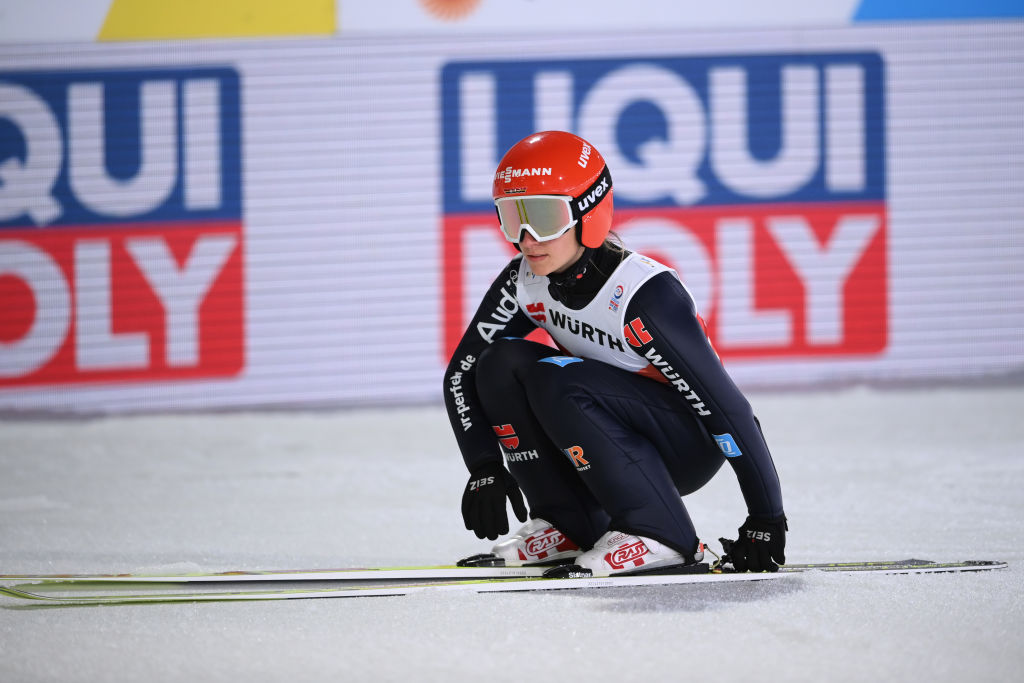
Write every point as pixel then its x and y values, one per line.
pixel 867 474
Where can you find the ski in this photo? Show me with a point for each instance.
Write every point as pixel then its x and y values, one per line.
pixel 493 585
pixel 410 573
pixel 344 574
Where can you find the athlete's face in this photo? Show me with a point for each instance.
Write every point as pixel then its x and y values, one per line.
pixel 552 256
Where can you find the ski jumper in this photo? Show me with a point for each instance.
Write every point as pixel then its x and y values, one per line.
pixel 632 411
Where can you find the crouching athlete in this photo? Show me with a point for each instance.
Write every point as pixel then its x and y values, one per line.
pixel 633 410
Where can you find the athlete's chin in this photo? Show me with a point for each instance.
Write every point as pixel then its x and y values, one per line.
pixel 539 264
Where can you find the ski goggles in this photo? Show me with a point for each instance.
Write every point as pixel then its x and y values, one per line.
pixel 548 216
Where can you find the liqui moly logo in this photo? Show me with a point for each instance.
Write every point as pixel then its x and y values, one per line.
pixel 760 178
pixel 120 226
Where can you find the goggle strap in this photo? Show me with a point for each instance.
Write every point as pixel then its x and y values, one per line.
pixel 604 179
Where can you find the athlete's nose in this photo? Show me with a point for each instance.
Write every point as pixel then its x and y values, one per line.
pixel 526 238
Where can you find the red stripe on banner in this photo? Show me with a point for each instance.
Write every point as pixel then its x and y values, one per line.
pixel 121 303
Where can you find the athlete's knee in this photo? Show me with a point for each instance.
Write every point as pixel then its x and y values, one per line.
pixel 499 358
pixel 502 363
pixel 550 381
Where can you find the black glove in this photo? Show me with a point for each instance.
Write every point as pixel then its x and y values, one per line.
pixel 483 502
pixel 761 544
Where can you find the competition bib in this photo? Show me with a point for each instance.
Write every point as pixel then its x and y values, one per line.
pixel 595 331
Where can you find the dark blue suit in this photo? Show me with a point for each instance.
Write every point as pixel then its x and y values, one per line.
pixel 594 446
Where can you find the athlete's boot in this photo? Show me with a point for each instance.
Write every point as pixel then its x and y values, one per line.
pixel 536 543
pixel 620 553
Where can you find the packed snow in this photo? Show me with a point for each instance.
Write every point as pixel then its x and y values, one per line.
pixel 867 474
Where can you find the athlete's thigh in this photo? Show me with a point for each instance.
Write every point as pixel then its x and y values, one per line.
pixel 649 408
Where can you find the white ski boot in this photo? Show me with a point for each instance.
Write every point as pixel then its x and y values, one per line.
pixel 620 553
pixel 537 542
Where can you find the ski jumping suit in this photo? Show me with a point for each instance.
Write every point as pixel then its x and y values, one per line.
pixel 632 411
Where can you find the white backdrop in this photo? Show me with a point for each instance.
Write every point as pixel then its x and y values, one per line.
pixel 331 266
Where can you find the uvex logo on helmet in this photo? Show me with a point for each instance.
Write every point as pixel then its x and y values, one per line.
pixel 584 156
pixel 589 199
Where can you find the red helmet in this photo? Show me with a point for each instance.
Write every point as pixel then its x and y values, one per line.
pixel 558 163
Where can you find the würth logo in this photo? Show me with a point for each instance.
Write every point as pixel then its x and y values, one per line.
pixel 507 436
pixel 636 334
pixel 586 331
pixel 536 311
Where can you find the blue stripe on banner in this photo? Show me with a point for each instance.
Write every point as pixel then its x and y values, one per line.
pixel 876 10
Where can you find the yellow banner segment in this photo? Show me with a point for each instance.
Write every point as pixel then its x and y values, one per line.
pixel 156 20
